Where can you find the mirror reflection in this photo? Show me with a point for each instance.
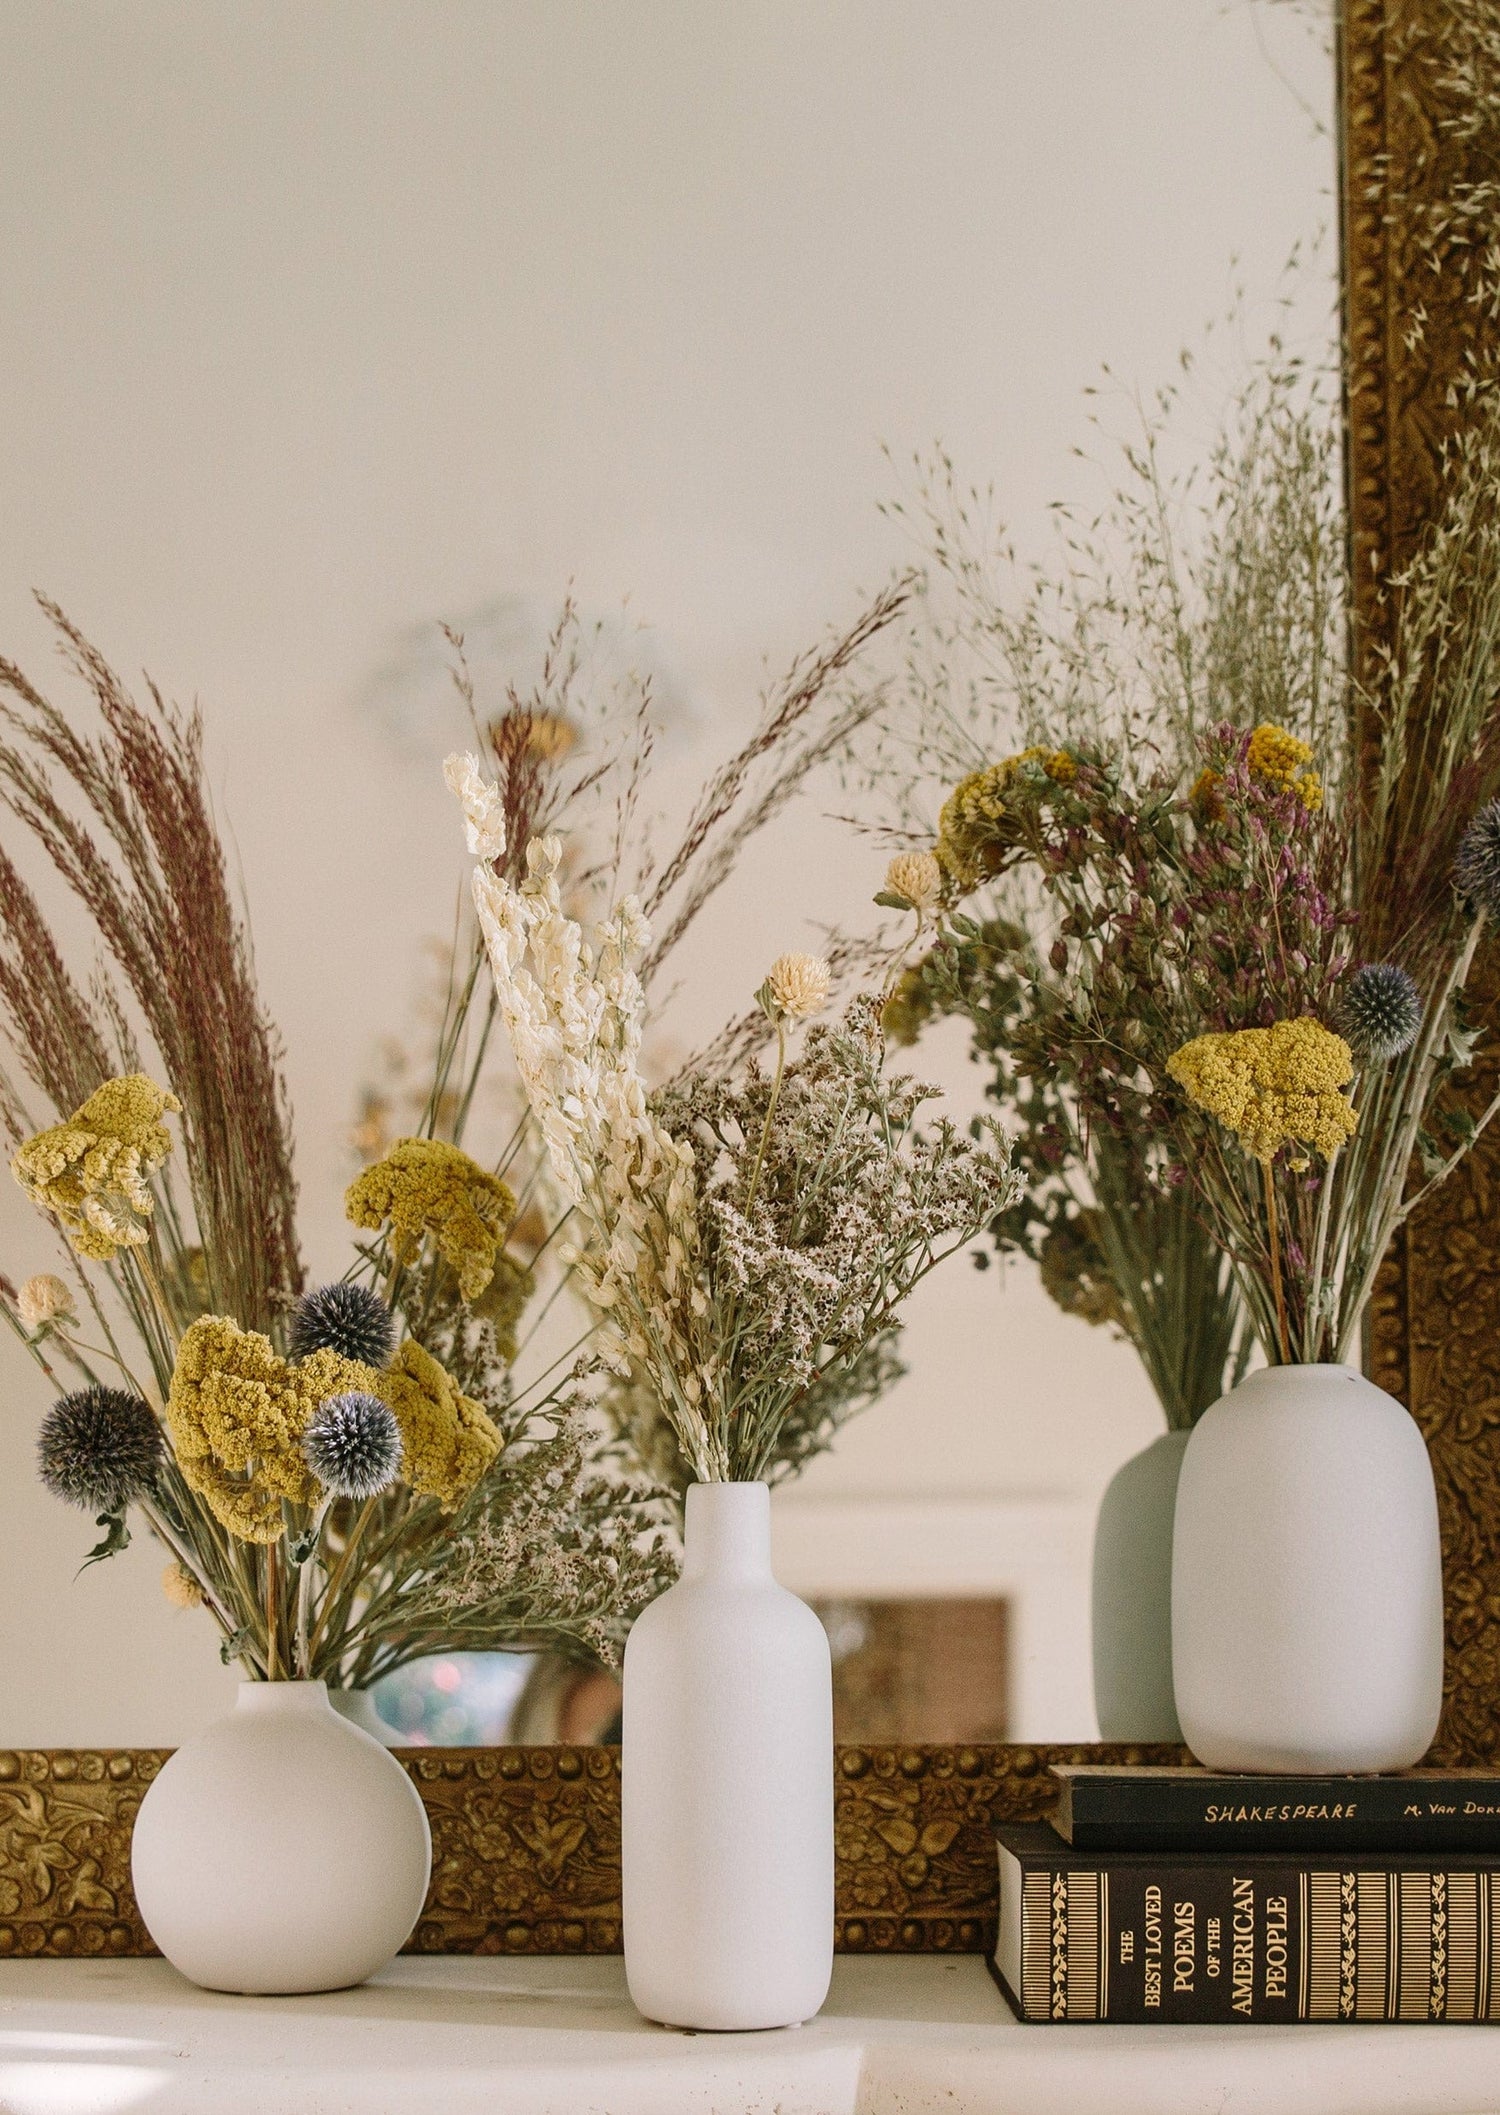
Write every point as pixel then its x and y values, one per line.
pixel 565 388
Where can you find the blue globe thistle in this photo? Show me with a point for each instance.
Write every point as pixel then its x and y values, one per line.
pixel 348 1319
pixel 1380 1011
pixel 352 1444
pixel 99 1449
pixel 1476 870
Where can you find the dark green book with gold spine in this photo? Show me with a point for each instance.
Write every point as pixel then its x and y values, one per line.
pixel 1179 1938
pixel 1101 1807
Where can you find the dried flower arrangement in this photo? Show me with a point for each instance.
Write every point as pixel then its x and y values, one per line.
pixel 1228 1029
pixel 745 1241
pixel 345 1476
pixel 1237 990
pixel 1193 598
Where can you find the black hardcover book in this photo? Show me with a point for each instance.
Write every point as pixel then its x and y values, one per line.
pixel 1100 1808
pixel 1167 1938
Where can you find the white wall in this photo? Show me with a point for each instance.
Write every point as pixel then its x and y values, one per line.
pixel 322 318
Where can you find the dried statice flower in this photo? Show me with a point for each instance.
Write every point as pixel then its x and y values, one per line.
pixel 99 1449
pixel 349 1319
pixel 1476 869
pixel 1380 1011
pixel 745 1245
pixel 353 1445
pixel 556 1546
pixel 797 986
pixel 44 1301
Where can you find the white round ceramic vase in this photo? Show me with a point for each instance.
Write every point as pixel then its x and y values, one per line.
pixel 282 1850
pixel 1307 1584
pixel 1132 1596
pixel 727 1795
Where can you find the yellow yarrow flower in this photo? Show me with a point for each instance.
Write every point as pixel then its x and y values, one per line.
pixel 976 825
pixel 1280 760
pixel 1273 1086
pixel 236 1412
pixel 425 1186
pixel 447 1439
pixel 93 1171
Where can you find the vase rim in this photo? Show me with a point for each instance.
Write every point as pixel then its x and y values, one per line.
pixel 1262 1373
pixel 282 1696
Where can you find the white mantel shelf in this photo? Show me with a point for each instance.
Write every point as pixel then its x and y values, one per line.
pixel 919 2036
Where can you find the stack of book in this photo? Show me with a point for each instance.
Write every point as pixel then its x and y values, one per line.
pixel 1185 1896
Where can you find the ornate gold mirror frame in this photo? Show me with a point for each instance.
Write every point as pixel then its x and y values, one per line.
pixel 526 1840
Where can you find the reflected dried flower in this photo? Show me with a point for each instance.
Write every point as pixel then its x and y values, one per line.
pixel 917 878
pixel 1380 1011
pixel 1273 1086
pixel 1280 760
pixel 1476 869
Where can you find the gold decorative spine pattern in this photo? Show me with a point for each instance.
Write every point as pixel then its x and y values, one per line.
pixel 526 1845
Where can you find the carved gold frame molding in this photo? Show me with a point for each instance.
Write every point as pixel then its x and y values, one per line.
pixel 1413 140
pixel 526 1840
pixel 526 1846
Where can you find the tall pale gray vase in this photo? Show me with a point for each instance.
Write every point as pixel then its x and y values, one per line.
pixel 1132 1596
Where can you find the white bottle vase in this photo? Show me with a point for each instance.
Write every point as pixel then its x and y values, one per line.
pixel 282 1850
pixel 727 1799
pixel 1132 1596
pixel 1307 1584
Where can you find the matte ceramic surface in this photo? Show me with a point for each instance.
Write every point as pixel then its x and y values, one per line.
pixel 1307 1586
pixel 727 1798
pixel 282 1850
pixel 1132 1596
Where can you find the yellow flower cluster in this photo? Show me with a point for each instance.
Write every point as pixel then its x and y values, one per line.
pixel 446 1438
pixel 1280 760
pixel 1274 1086
pixel 425 1186
pixel 237 1411
pixel 93 1170
pixel 976 824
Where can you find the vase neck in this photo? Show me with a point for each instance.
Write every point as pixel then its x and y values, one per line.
pixel 284 1697
pixel 727 1532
